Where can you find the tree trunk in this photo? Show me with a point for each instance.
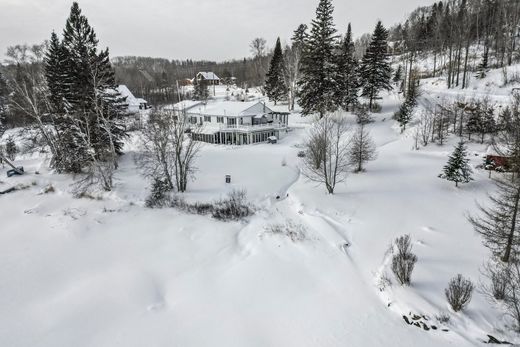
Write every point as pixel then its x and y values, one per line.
pixel 507 253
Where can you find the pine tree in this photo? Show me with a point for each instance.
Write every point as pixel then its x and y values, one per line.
pixel 54 61
pixel 362 149
pixel 200 90
pixel 398 75
pixel 405 113
pixel 317 85
pixel 347 81
pixel 90 94
pixel 275 84
pixel 482 68
pixel 4 99
pixel 457 169
pixel 375 70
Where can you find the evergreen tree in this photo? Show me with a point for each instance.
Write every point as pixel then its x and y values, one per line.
pixel 405 113
pixel 89 90
pixel 398 75
pixel 54 63
pixel 482 68
pixel 201 90
pixel 300 37
pixel 457 169
pixel 4 99
pixel 347 81
pixel 375 70
pixel 317 85
pixel 275 83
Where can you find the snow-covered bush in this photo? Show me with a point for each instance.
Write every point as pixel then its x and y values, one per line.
pixel 403 261
pixel 296 232
pixel 234 206
pixel 459 292
pixel 10 148
pixel 159 195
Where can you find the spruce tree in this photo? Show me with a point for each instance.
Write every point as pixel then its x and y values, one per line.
pixel 457 169
pixel 4 99
pixel 405 113
pixel 275 83
pixel 375 70
pixel 54 63
pixel 317 85
pixel 201 90
pixel 398 75
pixel 347 81
pixel 90 91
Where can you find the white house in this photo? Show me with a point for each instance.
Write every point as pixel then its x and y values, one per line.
pixel 134 104
pixel 234 122
pixel 210 77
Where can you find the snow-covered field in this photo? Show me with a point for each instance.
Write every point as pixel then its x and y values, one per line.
pixel 109 272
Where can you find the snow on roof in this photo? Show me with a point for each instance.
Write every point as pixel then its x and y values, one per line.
pixel 183 105
pixel 230 108
pixel 130 98
pixel 208 75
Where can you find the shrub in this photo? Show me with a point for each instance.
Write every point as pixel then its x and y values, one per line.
pixel 403 261
pixel 159 195
pixel 10 148
pixel 301 154
pixel 296 232
pixel 233 207
pixel 459 292
pixel 442 317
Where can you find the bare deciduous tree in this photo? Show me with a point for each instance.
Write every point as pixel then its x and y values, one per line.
pixel 362 149
pixel 498 224
pixel 170 149
pixel 327 159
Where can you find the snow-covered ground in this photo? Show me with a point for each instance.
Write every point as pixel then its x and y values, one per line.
pixel 109 272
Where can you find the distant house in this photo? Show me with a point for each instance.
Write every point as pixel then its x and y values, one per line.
pixel 234 122
pixel 208 77
pixel 134 104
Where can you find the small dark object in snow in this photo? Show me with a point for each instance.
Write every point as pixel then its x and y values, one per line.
pixel 17 171
pixel 228 178
pixel 278 197
pixel 434 327
pixel 406 320
pixel 425 327
pixel 496 341
pixel 417 324
pixel 416 317
pixel 445 330
pixel 10 190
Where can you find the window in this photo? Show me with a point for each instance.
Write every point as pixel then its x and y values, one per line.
pixel 207 119
pixel 220 119
pixel 193 120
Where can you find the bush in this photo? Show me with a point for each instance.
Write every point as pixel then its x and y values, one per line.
pixel 10 148
pixel 459 292
pixel 403 262
pixel 296 232
pixel 301 154
pixel 233 207
pixel 159 195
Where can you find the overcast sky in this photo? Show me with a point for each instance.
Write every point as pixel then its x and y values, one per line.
pixel 196 29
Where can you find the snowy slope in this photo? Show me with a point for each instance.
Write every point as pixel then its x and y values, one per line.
pixel 109 272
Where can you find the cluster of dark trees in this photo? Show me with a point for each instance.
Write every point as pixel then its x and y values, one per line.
pixel 449 29
pixel 65 92
pixel 327 76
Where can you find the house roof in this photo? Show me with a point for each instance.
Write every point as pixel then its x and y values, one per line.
pixel 229 108
pixel 131 100
pixel 208 75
